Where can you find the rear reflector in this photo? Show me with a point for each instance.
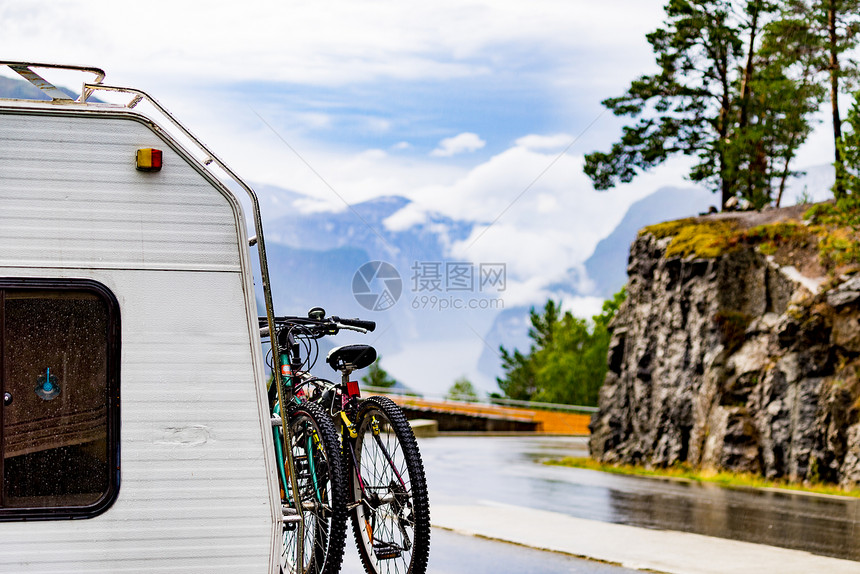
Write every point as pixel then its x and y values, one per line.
pixel 352 389
pixel 148 159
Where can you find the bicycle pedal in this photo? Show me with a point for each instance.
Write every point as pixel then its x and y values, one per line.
pixel 385 552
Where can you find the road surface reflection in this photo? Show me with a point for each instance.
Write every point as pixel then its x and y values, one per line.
pixel 464 470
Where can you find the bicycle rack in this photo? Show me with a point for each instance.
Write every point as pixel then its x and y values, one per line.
pixel 24 69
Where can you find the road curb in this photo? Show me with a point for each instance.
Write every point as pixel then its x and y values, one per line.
pixel 631 547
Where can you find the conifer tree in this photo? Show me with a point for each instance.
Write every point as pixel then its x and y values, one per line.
pixel 462 390
pixel 566 362
pixel 687 106
pixel 724 94
pixel 833 30
pixel 790 81
pixel 378 377
pixel 850 151
pixel 778 99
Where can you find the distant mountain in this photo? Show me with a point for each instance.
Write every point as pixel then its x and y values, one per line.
pixel 511 330
pixel 363 224
pixel 21 90
pixel 607 266
pixel 606 269
pixel 316 245
pixel 24 90
pixel 305 278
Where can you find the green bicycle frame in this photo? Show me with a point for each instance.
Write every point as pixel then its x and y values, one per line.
pixel 279 442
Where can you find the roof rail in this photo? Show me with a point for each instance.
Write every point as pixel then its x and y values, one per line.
pixel 24 69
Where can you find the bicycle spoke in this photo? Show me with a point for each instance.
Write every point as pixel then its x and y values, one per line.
pixel 387 471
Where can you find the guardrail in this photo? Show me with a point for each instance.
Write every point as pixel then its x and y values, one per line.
pixel 535 405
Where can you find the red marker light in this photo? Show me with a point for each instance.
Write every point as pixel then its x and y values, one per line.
pixel 148 159
pixel 352 389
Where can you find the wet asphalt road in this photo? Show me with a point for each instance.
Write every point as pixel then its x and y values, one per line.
pixel 452 553
pixel 464 470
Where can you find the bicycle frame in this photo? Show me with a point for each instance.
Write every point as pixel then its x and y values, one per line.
pixel 283 441
pixel 349 406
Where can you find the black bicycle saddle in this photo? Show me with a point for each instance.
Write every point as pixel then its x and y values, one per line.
pixel 351 357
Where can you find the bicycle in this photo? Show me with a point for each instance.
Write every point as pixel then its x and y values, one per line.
pixel 319 479
pixel 321 486
pixel 387 491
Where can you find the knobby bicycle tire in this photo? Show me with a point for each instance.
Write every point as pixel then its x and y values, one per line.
pixel 391 522
pixel 322 481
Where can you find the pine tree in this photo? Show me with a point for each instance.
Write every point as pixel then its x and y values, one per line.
pixel 724 94
pixel 687 106
pixel 519 380
pixel 462 390
pixel 850 152
pixel 779 95
pixel 377 376
pixel 566 362
pixel 793 91
pixel 833 29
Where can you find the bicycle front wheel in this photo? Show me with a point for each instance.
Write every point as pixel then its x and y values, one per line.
pixel 391 521
pixel 322 491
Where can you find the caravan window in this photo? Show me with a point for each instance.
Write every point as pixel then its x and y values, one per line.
pixel 59 361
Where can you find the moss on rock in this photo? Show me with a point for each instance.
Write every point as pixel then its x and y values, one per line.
pixel 694 237
pixel 703 238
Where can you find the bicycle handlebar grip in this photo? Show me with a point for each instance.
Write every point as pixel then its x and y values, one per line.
pixel 264 331
pixel 369 325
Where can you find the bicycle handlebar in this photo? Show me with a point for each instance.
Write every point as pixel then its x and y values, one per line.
pixel 361 324
pixel 328 326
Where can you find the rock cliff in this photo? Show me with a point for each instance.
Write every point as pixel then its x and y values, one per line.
pixel 735 350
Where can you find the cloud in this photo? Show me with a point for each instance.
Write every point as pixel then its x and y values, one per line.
pixel 315 120
pixel 531 207
pixel 335 43
pixel 546 143
pixel 534 210
pixel 404 219
pixel 465 142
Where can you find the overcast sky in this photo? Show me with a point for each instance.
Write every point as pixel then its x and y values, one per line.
pixel 478 110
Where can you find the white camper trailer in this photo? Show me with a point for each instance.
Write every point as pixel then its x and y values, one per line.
pixel 134 431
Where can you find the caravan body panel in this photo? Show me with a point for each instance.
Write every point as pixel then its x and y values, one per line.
pixel 196 488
